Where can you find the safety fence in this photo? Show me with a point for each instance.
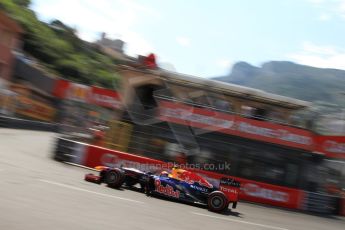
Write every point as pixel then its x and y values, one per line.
pixel 16 123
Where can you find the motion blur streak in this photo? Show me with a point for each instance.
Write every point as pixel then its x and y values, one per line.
pixel 84 190
pixel 240 221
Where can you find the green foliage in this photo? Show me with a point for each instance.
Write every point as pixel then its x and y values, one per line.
pixel 58 47
pixel 24 3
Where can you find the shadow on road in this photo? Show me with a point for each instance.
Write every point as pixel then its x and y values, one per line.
pixel 230 212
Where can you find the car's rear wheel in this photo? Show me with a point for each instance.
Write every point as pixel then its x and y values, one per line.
pixel 217 201
pixel 114 178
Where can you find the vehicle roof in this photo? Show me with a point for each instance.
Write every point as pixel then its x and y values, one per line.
pixel 223 87
pixel 237 90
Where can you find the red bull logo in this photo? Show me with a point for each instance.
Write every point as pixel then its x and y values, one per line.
pixel 166 190
pixel 199 181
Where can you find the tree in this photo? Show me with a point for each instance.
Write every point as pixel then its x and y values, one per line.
pixel 23 3
pixel 58 47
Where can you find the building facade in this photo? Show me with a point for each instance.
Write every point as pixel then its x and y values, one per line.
pixel 10 33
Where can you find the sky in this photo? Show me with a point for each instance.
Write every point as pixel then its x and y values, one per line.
pixel 206 37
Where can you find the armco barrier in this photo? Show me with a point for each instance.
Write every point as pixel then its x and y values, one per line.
pixel 91 156
pixel 16 123
pixel 342 206
pixel 70 151
pixel 321 203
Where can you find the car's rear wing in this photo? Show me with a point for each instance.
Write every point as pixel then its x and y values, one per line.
pixel 230 187
pixel 230 182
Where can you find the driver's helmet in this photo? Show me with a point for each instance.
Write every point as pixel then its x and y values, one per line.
pixel 177 172
pixel 164 174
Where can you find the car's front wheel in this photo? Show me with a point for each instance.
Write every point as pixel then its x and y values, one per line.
pixel 217 201
pixel 114 178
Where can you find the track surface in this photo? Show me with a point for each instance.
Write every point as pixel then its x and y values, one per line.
pixel 39 193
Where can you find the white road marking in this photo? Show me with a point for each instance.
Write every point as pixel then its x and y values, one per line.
pixel 240 221
pixel 85 190
pixel 81 166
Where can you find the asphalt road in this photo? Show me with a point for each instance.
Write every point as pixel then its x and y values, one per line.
pixel 39 193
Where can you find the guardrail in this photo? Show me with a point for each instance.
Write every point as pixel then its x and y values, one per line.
pixel 321 203
pixel 67 150
pixel 17 123
pixel 64 150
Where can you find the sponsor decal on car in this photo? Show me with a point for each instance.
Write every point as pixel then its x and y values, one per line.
pixel 192 178
pixel 230 190
pixel 166 190
pixel 201 189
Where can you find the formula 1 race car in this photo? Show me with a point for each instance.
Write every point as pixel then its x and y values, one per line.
pixel 179 184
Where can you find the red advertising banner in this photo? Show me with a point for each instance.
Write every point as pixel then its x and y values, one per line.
pixel 250 190
pixel 105 97
pixel 271 194
pixel 34 109
pixel 235 125
pixel 87 94
pixel 96 156
pixel 60 88
pixel 331 146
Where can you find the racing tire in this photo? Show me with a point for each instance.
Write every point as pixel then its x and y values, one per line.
pixel 217 201
pixel 148 186
pixel 114 178
pixel 130 182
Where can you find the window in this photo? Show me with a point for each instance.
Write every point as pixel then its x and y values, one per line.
pixel 334 177
pixel 247 111
pixel 292 173
pixel 201 101
pixel 276 116
pixel 212 101
pixel 258 113
pixel 221 104
pixel 145 94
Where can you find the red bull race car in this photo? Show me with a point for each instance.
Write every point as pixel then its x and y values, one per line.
pixel 178 184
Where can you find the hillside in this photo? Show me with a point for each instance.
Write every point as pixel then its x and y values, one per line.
pixel 59 49
pixel 292 80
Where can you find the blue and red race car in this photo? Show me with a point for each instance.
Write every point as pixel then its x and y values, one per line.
pixel 179 184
